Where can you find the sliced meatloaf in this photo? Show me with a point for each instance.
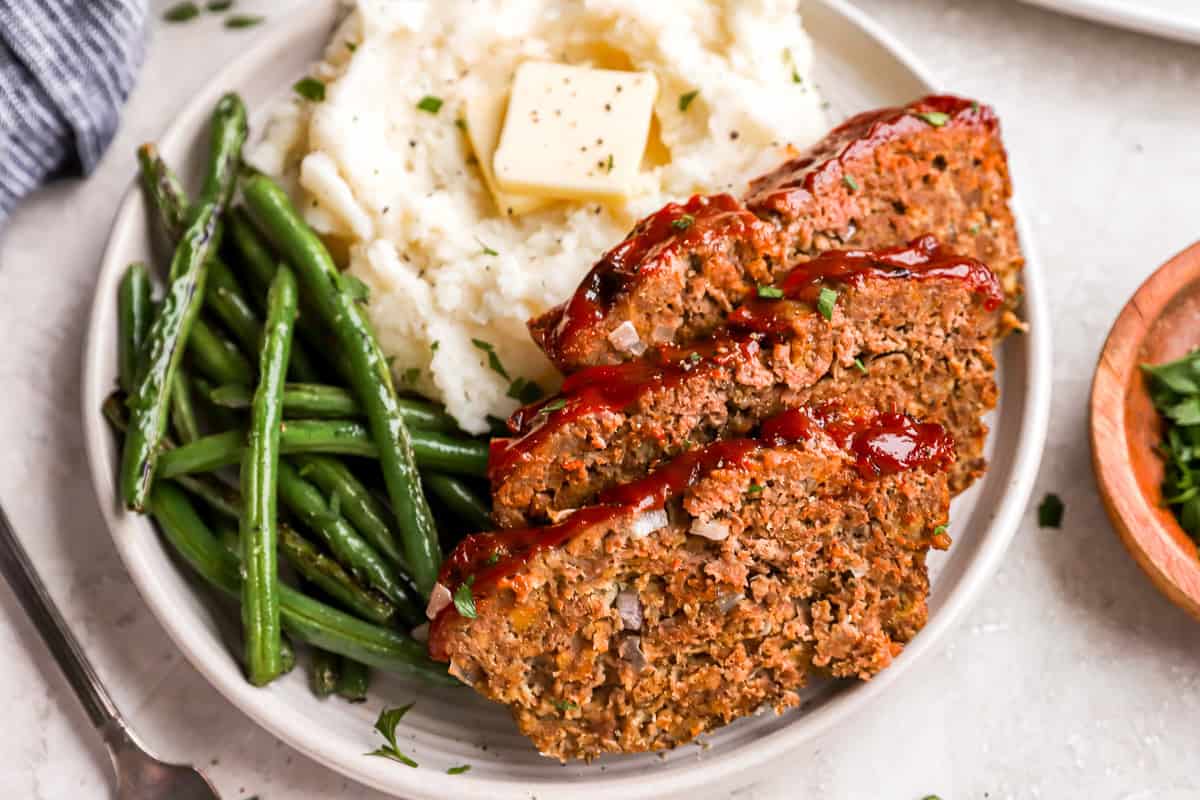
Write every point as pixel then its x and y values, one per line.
pixel 707 590
pixel 908 329
pixel 936 166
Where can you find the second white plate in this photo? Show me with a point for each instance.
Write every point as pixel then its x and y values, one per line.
pixel 1174 19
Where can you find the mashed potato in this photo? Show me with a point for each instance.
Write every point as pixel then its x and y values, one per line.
pixel 395 191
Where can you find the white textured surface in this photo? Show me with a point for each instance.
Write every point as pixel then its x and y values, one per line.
pixel 1071 678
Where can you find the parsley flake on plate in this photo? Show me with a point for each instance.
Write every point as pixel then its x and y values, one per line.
pixel 1050 511
pixel 493 359
pixel 464 601
pixel 935 118
pixel 825 302
pixel 243 21
pixel 181 12
pixel 386 726
pixel 430 103
pixel 683 223
pixel 686 99
pixel 851 184
pixel 769 292
pixel 310 89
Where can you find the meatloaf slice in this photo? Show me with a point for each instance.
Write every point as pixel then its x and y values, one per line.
pixel 910 329
pixel 709 589
pixel 881 178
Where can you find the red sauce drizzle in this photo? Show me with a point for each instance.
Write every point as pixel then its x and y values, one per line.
pixel 923 258
pixel 782 190
pixel 594 389
pixel 882 443
pixel 653 241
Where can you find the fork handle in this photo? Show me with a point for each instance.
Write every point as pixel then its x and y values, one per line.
pixel 31 592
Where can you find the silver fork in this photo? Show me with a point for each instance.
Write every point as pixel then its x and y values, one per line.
pixel 140 774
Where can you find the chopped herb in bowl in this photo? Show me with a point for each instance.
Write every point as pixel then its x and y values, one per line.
pixel 1175 389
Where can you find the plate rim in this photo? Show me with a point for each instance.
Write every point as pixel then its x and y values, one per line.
pixel 273 717
pixel 1125 16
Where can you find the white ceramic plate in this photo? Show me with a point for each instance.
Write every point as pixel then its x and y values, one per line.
pixel 1175 19
pixel 860 66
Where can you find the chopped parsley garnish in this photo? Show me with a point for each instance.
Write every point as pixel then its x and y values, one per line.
pixel 552 406
pixel 492 560
pixel 386 726
pixel 1050 511
pixel 353 286
pixel 493 359
pixel 243 21
pixel 430 103
pixel 860 366
pixel 770 292
pixel 459 770
pixel 434 345
pixel 1175 389
pixel 974 105
pixel 851 184
pixel 464 601
pixel 694 357
pixel 683 223
pixel 941 530
pixel 975 229
pixel 931 797
pixel 310 89
pixel 351 46
pixel 487 251
pixel 525 391
pixel 686 99
pixel 566 705
pixel 825 302
pixel 181 12
pixel 217 6
pixel 754 488
pixel 608 165
pixel 935 118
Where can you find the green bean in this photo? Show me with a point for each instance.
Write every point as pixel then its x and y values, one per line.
pixel 320 571
pixel 323 672
pixel 224 296
pixel 334 582
pixel 260 584
pixel 338 307
pixel 151 395
pixel 357 503
pixel 459 498
pixel 434 451
pixel 216 494
pixel 353 682
pixel 134 309
pixel 229 130
pixel 215 357
pixel 228 302
pixel 306 619
pixel 163 190
pixel 221 417
pixel 321 401
pixel 183 413
pixel 307 503
pixel 258 265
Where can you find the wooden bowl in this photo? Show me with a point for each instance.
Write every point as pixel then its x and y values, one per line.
pixel 1161 322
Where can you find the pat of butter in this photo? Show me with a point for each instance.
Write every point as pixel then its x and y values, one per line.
pixel 574 131
pixel 484 117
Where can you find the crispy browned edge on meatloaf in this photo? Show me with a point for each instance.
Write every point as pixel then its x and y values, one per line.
pixel 925 348
pixel 881 178
pixel 822 572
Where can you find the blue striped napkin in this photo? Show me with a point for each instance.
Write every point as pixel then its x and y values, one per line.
pixel 66 67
